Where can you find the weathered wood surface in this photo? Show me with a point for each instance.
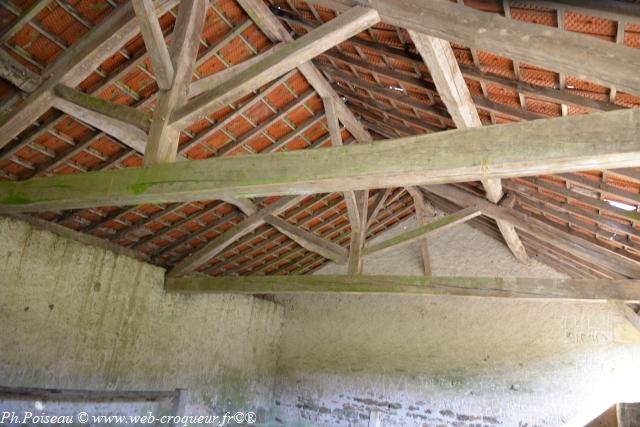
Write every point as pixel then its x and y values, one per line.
pixel 17 74
pixel 276 32
pixel 411 236
pixel 277 63
pixel 162 146
pixel 119 112
pixel 445 72
pixel 582 248
pixel 356 202
pixel 579 55
pixel 546 289
pixel 130 135
pixel 75 64
pixel 309 241
pixel 358 231
pixel 215 246
pixel 222 77
pixel 154 42
pixel 597 141
pixel 544 93
pixel 422 214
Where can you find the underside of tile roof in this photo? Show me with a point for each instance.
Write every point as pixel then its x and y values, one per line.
pixel 380 76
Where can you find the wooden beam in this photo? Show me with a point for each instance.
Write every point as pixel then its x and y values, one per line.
pixel 420 231
pixel 154 42
pixel 130 135
pixel 123 113
pixel 420 206
pixel 17 74
pixel 26 16
pixel 551 48
pixel 304 238
pixel 356 201
pixel 524 288
pixel 164 137
pixel 75 64
pixel 359 233
pixel 217 245
pixel 276 32
pixel 277 63
pixel 575 245
pixel 309 241
pixel 378 204
pixel 544 93
pixel 221 77
pixel 595 141
pixel 443 67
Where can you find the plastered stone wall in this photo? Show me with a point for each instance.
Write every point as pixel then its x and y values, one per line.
pixel 451 361
pixel 75 316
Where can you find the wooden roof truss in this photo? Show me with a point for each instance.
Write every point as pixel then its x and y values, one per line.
pixel 277 135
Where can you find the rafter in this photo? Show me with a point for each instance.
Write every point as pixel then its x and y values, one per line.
pixel 75 64
pixel 354 210
pixel 470 72
pixel 420 206
pixel 569 242
pixel 550 48
pixel 26 16
pixel 546 289
pixel 335 109
pixel 211 82
pixel 304 238
pixel 278 62
pixel 360 205
pixel 130 135
pixel 246 226
pixel 123 113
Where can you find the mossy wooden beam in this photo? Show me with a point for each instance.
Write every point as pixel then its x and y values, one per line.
pixel 122 113
pixel 546 289
pixel 596 141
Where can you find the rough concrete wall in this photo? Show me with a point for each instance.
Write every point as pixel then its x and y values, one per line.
pixel 75 316
pixel 451 361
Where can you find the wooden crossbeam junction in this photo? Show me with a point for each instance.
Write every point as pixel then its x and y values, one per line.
pixel 579 246
pixel 75 64
pixel 523 288
pixel 565 144
pixel 419 232
pixel 550 48
pixel 544 93
pixel 280 61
